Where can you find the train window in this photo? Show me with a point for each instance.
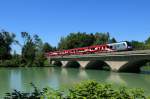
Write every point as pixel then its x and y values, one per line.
pixel 124 44
pixel 111 47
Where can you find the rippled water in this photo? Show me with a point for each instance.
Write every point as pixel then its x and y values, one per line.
pixel 19 78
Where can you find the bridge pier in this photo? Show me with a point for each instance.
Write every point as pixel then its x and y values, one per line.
pixel 116 65
pixel 83 64
pixel 64 63
pixel 52 62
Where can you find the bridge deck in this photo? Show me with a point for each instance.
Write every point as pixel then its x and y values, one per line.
pixel 107 56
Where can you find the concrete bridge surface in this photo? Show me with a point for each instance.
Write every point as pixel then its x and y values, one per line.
pixel 126 61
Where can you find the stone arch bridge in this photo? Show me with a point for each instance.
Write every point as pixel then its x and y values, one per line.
pixel 127 61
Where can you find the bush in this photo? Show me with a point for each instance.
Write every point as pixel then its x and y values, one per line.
pixel 83 90
pixel 10 63
pixel 95 90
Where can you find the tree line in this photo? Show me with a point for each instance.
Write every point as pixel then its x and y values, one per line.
pixel 33 48
pixel 82 39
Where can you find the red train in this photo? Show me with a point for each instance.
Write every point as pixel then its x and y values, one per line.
pixel 121 46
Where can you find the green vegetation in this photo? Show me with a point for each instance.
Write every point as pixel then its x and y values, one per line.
pixel 141 45
pixel 32 54
pixel 33 49
pixel 75 40
pixel 6 39
pixel 83 90
pixel 146 67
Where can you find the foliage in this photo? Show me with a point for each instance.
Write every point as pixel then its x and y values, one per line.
pixel 113 40
pixel 95 90
pixel 36 94
pixel 101 38
pixel 32 51
pixel 75 40
pixel 47 47
pixel 137 45
pixel 147 41
pixel 83 90
pixel 141 45
pixel 39 59
pixel 82 39
pixel 6 40
pixel 15 61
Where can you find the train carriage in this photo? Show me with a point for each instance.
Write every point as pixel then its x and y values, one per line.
pixel 120 46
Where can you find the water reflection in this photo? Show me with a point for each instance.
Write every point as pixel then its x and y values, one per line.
pixel 15 79
pixel 4 81
pixel 83 74
pixel 19 78
pixel 64 72
pixel 115 78
pixel 69 76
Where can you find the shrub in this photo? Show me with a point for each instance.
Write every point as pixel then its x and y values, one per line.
pixel 83 90
pixel 95 90
pixel 10 63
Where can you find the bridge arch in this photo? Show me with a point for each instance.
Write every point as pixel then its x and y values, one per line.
pixel 97 64
pixel 134 66
pixel 72 64
pixel 57 63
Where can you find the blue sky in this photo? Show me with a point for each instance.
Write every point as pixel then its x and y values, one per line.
pixel 52 19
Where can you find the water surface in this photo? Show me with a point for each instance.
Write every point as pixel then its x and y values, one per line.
pixel 20 78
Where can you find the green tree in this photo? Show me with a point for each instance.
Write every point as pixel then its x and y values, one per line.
pixel 113 40
pixel 47 47
pixel 75 40
pixel 32 53
pixel 6 40
pixel 62 44
pixel 101 38
pixel 137 45
pixel 82 39
pixel 147 41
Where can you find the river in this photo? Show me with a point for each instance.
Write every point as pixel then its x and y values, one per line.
pixel 55 77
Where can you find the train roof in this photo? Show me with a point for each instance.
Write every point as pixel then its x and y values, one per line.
pixel 119 42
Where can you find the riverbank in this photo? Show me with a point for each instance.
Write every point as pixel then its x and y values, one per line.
pixel 18 63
